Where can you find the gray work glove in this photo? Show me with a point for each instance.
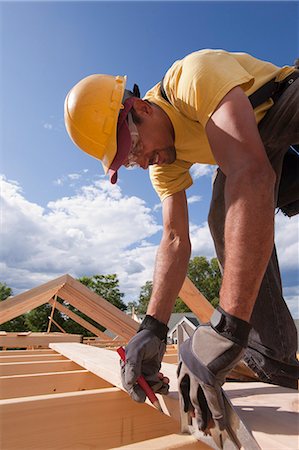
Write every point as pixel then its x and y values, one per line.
pixel 205 359
pixel 144 354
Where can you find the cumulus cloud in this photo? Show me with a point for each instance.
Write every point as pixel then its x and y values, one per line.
pixel 201 170
pixel 71 177
pixel 93 231
pixel 48 126
pixel 194 199
pixel 74 176
pixel 201 240
pixel 100 230
pixel 287 237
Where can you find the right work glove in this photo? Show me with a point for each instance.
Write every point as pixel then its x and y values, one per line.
pixel 205 360
pixel 144 354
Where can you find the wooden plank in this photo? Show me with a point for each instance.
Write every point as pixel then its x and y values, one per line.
pixel 57 325
pixel 98 309
pixel 80 320
pixel 17 368
pixel 12 352
pixel 269 410
pixel 171 359
pixel 12 340
pixel 196 301
pixel 49 383
pixel 52 313
pixel 29 358
pixel 98 419
pixel 22 303
pixel 169 442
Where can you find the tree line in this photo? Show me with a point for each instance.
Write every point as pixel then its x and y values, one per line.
pixel 203 273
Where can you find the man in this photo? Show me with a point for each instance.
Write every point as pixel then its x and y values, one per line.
pixel 242 114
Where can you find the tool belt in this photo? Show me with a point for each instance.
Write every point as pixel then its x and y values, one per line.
pixel 290 170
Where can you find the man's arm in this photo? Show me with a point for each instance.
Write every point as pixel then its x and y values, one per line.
pixel 249 201
pixel 172 257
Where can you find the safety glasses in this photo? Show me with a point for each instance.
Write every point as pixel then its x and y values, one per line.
pixel 136 144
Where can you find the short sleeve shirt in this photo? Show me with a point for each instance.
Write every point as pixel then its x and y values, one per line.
pixel 195 86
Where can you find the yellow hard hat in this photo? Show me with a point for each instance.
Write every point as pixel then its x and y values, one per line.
pixel 91 113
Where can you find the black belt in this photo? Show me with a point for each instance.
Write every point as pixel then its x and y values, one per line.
pixel 273 89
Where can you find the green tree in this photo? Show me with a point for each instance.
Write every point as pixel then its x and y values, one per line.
pixel 17 324
pixel 204 274
pixel 37 319
pixel 107 286
pixel 144 297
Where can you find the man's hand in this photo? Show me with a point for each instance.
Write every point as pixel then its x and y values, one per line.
pixel 205 359
pixel 144 354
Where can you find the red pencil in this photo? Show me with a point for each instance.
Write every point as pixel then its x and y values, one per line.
pixel 143 383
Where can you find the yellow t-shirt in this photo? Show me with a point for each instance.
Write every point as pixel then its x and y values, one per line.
pixel 195 86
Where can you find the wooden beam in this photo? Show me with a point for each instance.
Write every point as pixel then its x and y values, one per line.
pixel 196 301
pixel 57 325
pixel 22 303
pixel 80 320
pixel 49 383
pixel 52 313
pixel 13 340
pixel 97 308
pixel 98 419
pixel 32 357
pixel 169 442
pixel 36 367
pixel 44 351
pixel 268 411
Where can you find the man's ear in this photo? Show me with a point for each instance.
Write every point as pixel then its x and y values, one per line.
pixel 142 108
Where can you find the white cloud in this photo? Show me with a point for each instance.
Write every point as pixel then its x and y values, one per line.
pixel 194 199
pixel 201 240
pixel 74 176
pixel 157 207
pixel 97 230
pixel 201 170
pixel 286 238
pixel 100 230
pixel 48 126
pixel 58 182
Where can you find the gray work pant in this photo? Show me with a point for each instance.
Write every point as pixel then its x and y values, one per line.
pixel 271 351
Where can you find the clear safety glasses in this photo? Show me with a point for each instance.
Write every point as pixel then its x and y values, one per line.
pixel 136 144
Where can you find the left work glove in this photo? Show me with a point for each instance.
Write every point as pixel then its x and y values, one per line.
pixel 205 359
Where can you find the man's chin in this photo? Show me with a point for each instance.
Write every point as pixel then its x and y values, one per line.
pixel 170 155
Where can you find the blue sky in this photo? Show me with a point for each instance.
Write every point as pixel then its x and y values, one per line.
pixel 59 213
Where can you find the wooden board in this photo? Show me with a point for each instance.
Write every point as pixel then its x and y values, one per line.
pixel 14 340
pixel 88 326
pixel 169 442
pixel 29 358
pixel 98 419
pixel 22 303
pixel 49 383
pixel 18 368
pixel 12 352
pixel 98 309
pixel 268 411
pixel 194 299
